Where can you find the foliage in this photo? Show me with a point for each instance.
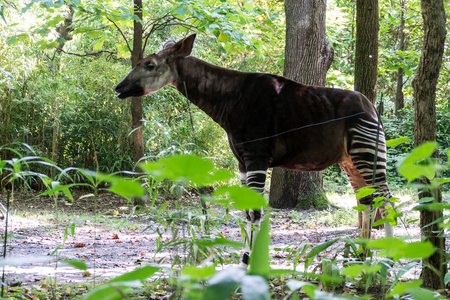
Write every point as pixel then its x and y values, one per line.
pixel 59 109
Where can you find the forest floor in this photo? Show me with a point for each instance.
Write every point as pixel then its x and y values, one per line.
pixel 112 240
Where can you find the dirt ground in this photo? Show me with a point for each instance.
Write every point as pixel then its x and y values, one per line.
pixel 113 243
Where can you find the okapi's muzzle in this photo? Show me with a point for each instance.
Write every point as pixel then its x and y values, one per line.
pixel 128 89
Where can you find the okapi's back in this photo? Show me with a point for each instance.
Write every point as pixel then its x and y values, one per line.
pixel 314 122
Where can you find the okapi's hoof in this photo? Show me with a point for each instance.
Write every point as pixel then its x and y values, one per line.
pixel 244 262
pixel 245 258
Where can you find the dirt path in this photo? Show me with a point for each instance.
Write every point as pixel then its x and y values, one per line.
pixel 113 243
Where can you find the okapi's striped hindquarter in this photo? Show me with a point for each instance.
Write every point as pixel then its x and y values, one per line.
pixel 272 121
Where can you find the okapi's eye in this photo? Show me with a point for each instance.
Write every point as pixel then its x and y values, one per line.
pixel 150 67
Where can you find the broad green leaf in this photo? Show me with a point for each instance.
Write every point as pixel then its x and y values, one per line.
pixel 56 187
pixel 180 11
pixel 364 192
pixel 356 269
pixel 198 273
pixel 188 168
pixel 397 249
pixel 219 241
pixel 403 287
pixel 127 188
pixel 398 141
pixel 242 197
pixel 446 278
pixel 223 37
pixel 99 44
pixel 259 258
pixel 138 274
pixel 223 283
pixel 360 207
pixel 423 151
pixel 116 287
pixel 78 264
pixel 411 167
pixel 254 287
pixel 11 40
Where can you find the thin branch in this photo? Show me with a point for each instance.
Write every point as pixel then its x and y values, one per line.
pixel 121 33
pixel 170 21
pixel 88 54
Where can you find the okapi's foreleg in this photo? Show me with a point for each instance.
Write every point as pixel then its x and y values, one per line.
pixel 254 179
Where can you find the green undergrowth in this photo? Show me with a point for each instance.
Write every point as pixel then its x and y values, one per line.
pixel 204 259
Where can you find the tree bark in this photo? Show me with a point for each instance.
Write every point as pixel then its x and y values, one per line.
pixel 399 98
pixel 136 102
pixel 366 56
pixel 308 56
pixel 424 85
pixel 366 50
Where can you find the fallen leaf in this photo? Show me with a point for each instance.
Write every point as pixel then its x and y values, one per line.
pixel 86 274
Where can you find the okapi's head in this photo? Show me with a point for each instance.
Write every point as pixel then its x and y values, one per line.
pixel 156 70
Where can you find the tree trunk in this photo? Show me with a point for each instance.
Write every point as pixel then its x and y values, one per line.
pixel 308 56
pixel 424 86
pixel 366 51
pixel 366 56
pixel 136 102
pixel 399 98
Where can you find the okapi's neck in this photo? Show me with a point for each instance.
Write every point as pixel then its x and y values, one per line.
pixel 209 87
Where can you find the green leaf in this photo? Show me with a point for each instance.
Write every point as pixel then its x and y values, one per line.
pixel 11 40
pixel 356 269
pixel 412 167
pixel 364 192
pixel 198 273
pixel 402 288
pixel 219 241
pixel 316 250
pixel 223 283
pixel 397 141
pixel 116 287
pixel 397 249
pixel 127 188
pixel 188 168
pixel 259 258
pixel 180 11
pixel 360 207
pixel 446 278
pixel 78 264
pixel 255 287
pixel 242 197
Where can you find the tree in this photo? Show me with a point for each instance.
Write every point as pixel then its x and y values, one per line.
pixel 308 55
pixel 366 49
pixel 366 56
pixel 399 98
pixel 137 53
pixel 424 85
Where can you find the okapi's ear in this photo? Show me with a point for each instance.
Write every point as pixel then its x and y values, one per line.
pixel 169 44
pixel 184 47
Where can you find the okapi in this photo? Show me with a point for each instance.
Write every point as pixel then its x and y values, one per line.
pixel 272 121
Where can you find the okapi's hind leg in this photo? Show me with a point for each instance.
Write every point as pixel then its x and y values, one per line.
pixel 254 180
pixel 357 181
pixel 359 166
